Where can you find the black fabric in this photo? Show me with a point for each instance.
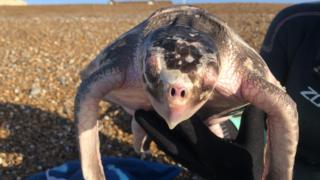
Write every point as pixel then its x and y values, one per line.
pixel 193 145
pixel 305 171
pixel 292 51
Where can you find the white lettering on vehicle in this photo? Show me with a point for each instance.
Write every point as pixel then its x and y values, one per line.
pixel 312 96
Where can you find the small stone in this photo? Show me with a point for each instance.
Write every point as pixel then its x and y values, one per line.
pixel 120 133
pixel 16 91
pixel 27 111
pixel 67 148
pixel 35 91
pixel 11 114
pixel 62 80
pixel 4 133
pixel 19 158
pixel 71 61
pixel 4 164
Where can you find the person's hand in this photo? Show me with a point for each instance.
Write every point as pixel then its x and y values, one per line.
pixel 194 146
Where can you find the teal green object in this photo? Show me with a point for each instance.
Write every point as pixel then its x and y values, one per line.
pixel 236 120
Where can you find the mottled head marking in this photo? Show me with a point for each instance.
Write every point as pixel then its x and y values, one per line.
pixel 183 47
pixel 179 57
pixel 179 54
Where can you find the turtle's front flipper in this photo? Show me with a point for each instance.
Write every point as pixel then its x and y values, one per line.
pixel 282 124
pixel 89 94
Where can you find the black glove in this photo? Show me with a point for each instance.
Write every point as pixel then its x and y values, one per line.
pixel 194 146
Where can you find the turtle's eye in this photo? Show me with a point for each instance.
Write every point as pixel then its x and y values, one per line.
pixel 152 69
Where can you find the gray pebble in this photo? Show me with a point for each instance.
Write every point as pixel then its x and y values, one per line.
pixel 35 91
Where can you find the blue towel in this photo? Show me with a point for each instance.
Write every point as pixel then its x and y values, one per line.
pixel 115 169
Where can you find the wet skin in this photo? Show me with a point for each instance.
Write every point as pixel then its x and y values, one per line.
pixel 178 62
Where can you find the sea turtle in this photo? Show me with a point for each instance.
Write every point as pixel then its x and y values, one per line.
pixel 180 61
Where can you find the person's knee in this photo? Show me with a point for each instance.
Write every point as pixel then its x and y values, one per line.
pixel 286 17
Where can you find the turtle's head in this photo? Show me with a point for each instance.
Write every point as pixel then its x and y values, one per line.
pixel 180 71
